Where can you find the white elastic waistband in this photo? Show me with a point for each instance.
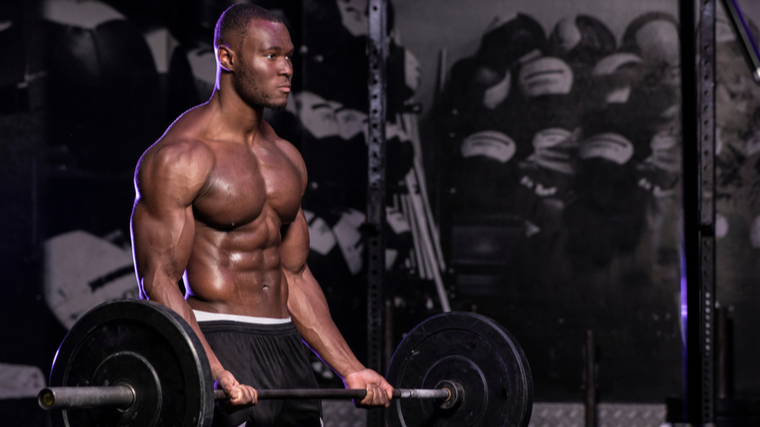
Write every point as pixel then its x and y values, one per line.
pixel 205 316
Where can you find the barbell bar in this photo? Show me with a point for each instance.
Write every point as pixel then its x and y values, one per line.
pixel 138 363
pixel 123 396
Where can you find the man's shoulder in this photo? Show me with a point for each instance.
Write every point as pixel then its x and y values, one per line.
pixel 176 158
pixel 182 136
pixel 288 148
pixel 177 150
pixel 290 151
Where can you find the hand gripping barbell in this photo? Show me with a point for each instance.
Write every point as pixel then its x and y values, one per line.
pixel 137 363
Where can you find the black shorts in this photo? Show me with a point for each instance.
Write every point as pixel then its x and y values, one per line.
pixel 265 357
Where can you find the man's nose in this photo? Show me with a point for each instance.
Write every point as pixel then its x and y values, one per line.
pixel 286 68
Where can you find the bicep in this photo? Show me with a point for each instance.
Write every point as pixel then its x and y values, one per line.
pixel 306 301
pixel 294 248
pixel 162 241
pixel 162 219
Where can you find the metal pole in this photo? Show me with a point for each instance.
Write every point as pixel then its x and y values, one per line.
pixel 377 48
pixel 698 252
pixel 123 397
pixel 590 401
pixel 706 290
pixel 724 371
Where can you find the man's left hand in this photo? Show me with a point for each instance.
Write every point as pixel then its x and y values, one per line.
pixel 379 392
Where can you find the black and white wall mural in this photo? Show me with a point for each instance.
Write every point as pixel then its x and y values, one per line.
pixel 738 195
pixel 553 138
pixel 534 158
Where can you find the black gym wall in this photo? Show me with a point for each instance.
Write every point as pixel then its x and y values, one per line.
pixel 556 199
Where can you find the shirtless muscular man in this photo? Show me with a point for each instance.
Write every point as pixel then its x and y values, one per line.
pixel 218 199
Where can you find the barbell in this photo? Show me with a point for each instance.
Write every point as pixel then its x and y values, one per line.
pixel 138 363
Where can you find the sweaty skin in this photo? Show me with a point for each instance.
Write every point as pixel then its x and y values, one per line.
pixel 218 196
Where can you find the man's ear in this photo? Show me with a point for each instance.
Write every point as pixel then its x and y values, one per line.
pixel 226 57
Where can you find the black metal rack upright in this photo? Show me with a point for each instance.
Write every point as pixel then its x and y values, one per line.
pixel 377 47
pixel 698 249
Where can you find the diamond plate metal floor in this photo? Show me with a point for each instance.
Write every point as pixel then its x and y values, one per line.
pixel 338 413
pixel 610 415
pixel 342 413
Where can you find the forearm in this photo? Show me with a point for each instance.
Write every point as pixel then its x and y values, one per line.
pixel 311 315
pixel 168 294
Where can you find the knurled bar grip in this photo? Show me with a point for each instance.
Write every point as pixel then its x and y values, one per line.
pixel 123 396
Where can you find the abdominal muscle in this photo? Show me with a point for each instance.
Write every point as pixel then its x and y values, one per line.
pixel 237 271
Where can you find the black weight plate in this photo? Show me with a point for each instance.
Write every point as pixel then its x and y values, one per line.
pixel 127 367
pixel 143 334
pixel 474 351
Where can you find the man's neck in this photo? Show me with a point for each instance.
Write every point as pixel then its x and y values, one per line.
pixel 235 116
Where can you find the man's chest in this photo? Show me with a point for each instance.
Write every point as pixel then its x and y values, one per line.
pixel 244 183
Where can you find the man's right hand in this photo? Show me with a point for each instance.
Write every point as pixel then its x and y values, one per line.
pixel 240 395
pixel 379 392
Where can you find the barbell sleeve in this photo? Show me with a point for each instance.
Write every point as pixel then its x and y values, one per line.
pixel 122 396
pixel 119 396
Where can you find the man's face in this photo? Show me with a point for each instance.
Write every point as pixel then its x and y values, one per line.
pixel 263 75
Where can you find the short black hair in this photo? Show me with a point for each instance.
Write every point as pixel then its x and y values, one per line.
pixel 236 19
